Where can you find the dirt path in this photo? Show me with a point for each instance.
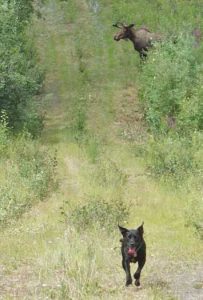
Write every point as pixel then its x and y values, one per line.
pixel 188 284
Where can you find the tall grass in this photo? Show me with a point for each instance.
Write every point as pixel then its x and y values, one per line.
pixel 28 173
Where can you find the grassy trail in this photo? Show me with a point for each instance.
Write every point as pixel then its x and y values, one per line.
pixel 45 257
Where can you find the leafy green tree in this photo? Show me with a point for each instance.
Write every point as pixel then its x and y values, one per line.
pixel 20 77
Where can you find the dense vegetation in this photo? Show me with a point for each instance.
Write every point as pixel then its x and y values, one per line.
pixel 171 94
pixel 27 170
pixel 21 77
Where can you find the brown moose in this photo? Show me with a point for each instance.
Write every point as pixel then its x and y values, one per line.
pixel 141 38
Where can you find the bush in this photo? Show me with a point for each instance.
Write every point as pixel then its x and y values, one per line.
pixel 30 119
pixel 28 173
pixel 171 88
pixel 173 157
pixel 21 77
pixel 171 94
pixel 98 212
pixel 4 133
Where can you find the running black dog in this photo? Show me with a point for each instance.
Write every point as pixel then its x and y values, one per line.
pixel 133 249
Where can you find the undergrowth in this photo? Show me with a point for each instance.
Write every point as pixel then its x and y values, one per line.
pixel 28 173
pixel 99 213
pixel 171 94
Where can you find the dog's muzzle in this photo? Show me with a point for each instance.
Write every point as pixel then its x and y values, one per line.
pixel 132 252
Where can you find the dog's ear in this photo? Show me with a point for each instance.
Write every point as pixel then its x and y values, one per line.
pixel 141 229
pixel 123 230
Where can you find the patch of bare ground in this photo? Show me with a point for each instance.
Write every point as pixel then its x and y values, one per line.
pixel 19 284
pixel 188 285
pixel 129 115
pixel 181 280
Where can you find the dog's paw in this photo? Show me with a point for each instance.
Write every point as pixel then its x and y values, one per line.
pixel 128 282
pixel 139 287
pixel 137 282
pixel 136 276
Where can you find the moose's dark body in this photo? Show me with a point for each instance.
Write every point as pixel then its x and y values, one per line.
pixel 133 249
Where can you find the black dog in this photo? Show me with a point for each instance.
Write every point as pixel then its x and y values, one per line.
pixel 133 249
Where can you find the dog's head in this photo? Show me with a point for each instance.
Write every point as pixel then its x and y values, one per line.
pixel 132 239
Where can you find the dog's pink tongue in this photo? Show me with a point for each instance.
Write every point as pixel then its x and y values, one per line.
pixel 132 252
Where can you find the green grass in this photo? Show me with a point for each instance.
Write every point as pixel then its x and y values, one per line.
pixel 86 87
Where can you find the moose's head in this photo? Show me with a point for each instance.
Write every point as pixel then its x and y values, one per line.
pixel 125 32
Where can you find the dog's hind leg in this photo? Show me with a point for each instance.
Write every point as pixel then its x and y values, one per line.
pixel 138 272
pixel 126 267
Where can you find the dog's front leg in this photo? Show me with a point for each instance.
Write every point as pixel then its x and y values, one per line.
pixel 138 272
pixel 126 267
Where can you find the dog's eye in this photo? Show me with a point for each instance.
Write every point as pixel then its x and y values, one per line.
pixel 130 236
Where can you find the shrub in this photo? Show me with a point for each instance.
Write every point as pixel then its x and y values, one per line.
pixel 171 94
pixel 30 119
pixel 170 88
pixel 28 173
pixel 174 156
pixel 98 212
pixel 21 77
pixel 4 132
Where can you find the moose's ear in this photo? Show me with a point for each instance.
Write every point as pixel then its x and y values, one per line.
pixel 118 25
pixel 141 229
pixel 123 230
pixel 131 25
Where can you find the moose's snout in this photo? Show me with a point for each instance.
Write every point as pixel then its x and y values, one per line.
pixel 116 38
